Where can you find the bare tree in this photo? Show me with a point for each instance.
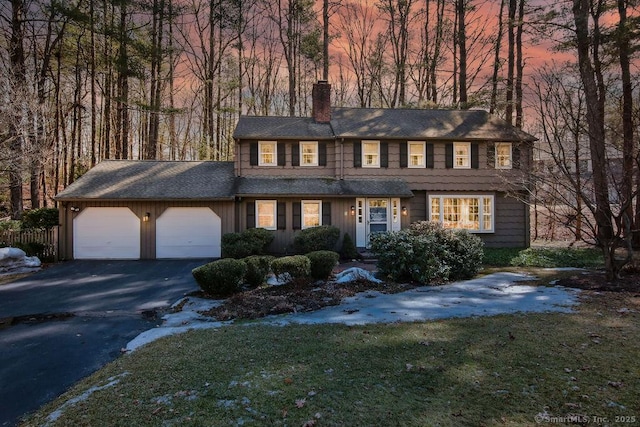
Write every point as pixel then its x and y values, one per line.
pixel 398 14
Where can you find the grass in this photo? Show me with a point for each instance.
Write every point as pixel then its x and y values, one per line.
pixel 501 370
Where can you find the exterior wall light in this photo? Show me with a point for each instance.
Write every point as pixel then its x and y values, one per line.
pixel 353 210
pixel 146 217
pixel 405 212
pixel 74 209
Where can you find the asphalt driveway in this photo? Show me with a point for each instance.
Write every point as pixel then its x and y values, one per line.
pixel 72 318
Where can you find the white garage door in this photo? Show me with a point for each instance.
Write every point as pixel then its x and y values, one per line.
pixel 106 233
pixel 188 233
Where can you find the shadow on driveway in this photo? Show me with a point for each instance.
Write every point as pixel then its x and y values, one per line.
pixel 106 304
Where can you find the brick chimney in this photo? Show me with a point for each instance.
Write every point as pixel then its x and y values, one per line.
pixel 321 95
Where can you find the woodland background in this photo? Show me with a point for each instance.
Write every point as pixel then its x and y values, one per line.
pixel 82 81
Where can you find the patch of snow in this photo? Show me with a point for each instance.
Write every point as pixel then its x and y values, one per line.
pixel 15 261
pixel 53 417
pixel 356 273
pixel 485 296
pixel 273 280
pixel 498 293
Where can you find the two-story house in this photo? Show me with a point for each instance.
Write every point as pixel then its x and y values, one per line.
pixel 372 170
pixel 362 170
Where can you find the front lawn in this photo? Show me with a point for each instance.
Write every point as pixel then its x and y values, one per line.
pixel 502 370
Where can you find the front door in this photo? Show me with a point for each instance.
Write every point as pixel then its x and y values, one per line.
pixel 372 216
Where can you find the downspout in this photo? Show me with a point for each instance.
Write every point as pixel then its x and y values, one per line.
pixel 238 158
pixel 341 158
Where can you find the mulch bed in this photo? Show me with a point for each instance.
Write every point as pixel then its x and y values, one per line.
pixel 295 297
pixel 303 296
pixel 597 281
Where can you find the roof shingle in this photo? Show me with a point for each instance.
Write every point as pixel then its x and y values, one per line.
pixel 257 127
pixel 423 124
pixel 286 186
pixel 154 180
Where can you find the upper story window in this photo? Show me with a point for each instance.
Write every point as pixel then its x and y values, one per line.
pixel 417 154
pixel 473 213
pixel 462 155
pixel 311 213
pixel 504 155
pixel 267 153
pixel 266 211
pixel 371 154
pixel 308 153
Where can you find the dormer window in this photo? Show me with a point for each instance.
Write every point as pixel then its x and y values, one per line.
pixel 267 153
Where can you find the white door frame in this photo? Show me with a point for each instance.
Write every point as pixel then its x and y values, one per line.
pixel 363 218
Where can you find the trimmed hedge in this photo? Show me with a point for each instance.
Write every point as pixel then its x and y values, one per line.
pixel 321 238
pixel 322 263
pixel 223 277
pixel 427 253
pixel 252 241
pixel 297 266
pixel 258 267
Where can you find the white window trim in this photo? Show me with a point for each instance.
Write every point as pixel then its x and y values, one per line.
pixel 510 165
pixel 316 153
pixel 364 164
pixel 275 153
pixel 319 203
pixel 468 145
pixel 275 214
pixel 480 197
pixel 424 154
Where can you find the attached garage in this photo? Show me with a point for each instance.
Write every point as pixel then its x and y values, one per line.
pixel 188 232
pixel 127 209
pixel 106 233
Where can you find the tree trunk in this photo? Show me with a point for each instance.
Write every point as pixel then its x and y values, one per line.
pixel 496 62
pixel 462 43
pixel 508 113
pixel 17 68
pixel 628 149
pixel 325 39
pixel 595 120
pixel 519 65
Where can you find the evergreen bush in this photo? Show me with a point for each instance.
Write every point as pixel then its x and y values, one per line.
pixel 223 277
pixel 296 266
pixel 322 263
pixel 258 267
pixel 252 241
pixel 43 218
pixel 348 251
pixel 321 238
pixel 428 253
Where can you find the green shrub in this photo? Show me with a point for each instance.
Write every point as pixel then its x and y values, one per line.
pixel 45 218
pixel 252 241
pixel 348 251
pixel 321 238
pixel 223 277
pixel 258 267
pixel 10 225
pixel 558 257
pixel 296 266
pixel 427 253
pixel 322 263
pixel 499 257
